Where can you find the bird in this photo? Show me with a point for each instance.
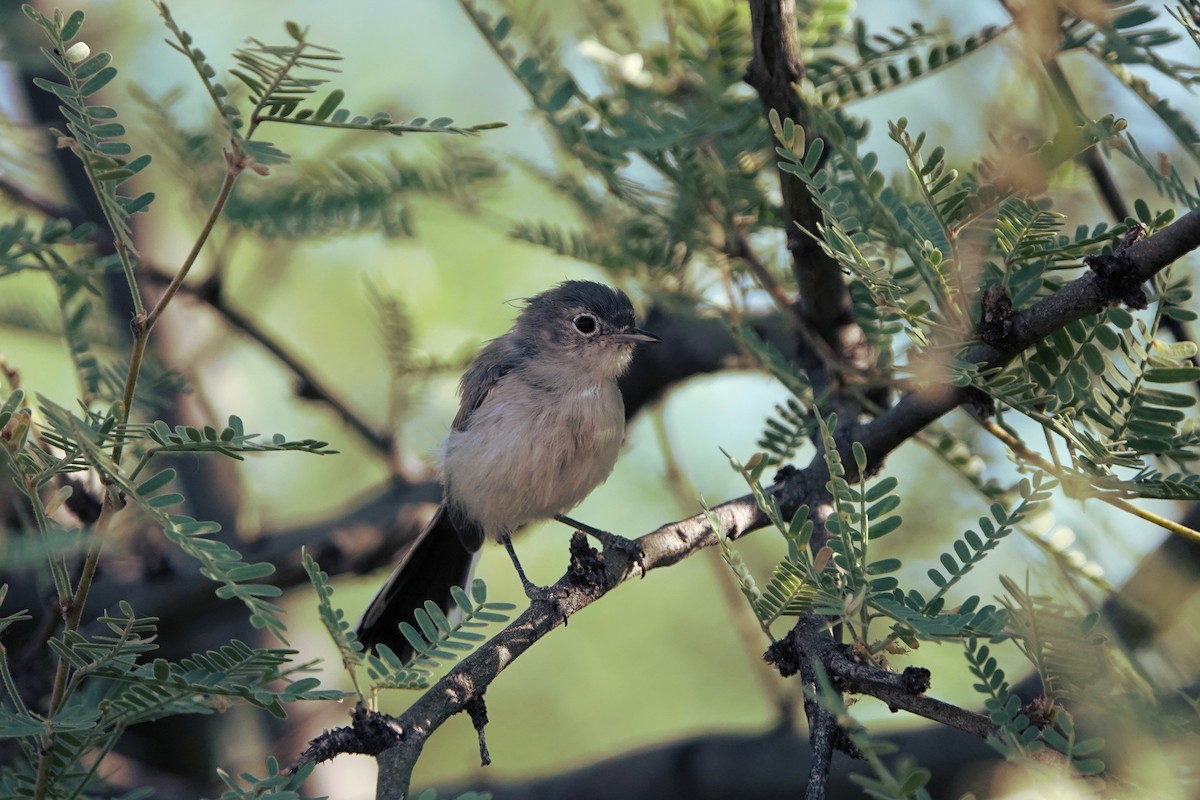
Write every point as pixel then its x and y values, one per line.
pixel 539 426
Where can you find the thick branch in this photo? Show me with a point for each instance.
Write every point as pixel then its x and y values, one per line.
pixel 1080 298
pixel 810 638
pixel 774 72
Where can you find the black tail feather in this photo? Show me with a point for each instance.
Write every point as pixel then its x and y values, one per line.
pixel 435 562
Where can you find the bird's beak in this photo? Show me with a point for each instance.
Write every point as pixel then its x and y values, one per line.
pixel 635 335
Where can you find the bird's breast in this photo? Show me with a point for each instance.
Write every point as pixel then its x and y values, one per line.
pixel 530 452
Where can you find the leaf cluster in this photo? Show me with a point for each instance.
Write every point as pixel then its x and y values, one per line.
pixel 894 779
pixel 438 637
pixel 114 684
pixel 276 783
pixel 1019 737
pixel 1129 36
pixel 1110 388
pixel 675 109
pixel 886 61
pixel 356 193
pixel 93 132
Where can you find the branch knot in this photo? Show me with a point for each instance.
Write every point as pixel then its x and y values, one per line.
pixel 369 733
pixel 1116 275
pixel 995 318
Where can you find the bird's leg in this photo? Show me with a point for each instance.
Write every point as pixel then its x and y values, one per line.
pixel 630 547
pixel 532 590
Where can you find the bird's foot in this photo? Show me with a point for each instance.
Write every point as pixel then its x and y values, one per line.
pixel 535 593
pixel 632 548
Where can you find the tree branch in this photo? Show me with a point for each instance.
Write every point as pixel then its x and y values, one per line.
pixel 774 71
pixel 810 638
pixel 1080 298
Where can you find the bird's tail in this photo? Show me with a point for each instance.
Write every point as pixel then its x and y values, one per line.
pixel 435 562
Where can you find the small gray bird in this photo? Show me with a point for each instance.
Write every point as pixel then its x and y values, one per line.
pixel 539 427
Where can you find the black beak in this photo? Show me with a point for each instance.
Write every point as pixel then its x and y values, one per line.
pixel 635 335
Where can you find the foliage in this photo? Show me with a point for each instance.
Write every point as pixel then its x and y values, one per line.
pixel 283 785
pixel 1019 737
pixel 890 60
pixel 431 794
pixel 124 687
pixel 667 175
pixel 1109 391
pixel 92 133
pixel 356 193
pixel 840 580
pixel 437 641
pixel 670 109
pixel 92 459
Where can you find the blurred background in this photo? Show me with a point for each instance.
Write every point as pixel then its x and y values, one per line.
pixel 658 661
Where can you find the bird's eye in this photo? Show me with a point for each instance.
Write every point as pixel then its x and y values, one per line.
pixel 585 324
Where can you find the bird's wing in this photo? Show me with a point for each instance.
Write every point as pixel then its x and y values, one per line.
pixel 495 361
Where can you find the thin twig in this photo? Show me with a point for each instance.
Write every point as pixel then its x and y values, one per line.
pixel 233 170
pixel 142 325
pixel 1022 451
pixel 740 248
pixel 1091 159
pixel 71 618
pixel 311 385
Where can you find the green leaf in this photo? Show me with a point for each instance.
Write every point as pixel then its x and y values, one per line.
pixel 884 507
pixel 560 97
pixel 915 781
pixel 329 104
pixel 97 81
pixel 111 148
pixel 1121 318
pixel 1138 15
pixel 1169 399
pixel 880 488
pixel 883 527
pixel 1173 374
pixel 64 93
pixel 860 456
pixel 251 572
pixel 139 203
pixel 91 67
pixel 108 130
pixel 813 157
pixel 164 500
pixel 153 484
pixel 502 27
pixel 1143 211
pixel 71 27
